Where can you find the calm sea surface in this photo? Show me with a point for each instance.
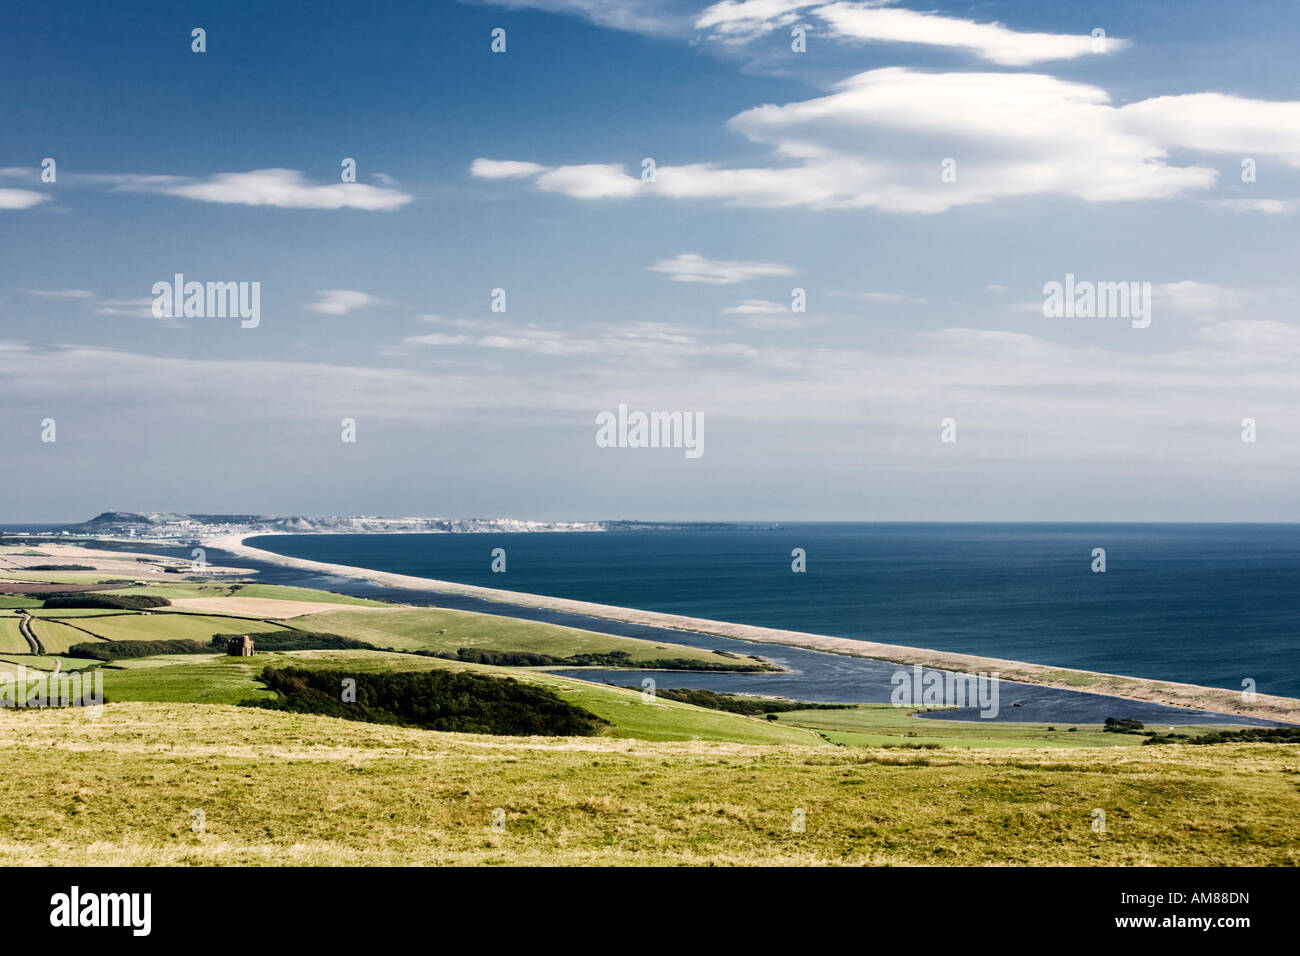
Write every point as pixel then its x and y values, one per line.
pixel 1206 604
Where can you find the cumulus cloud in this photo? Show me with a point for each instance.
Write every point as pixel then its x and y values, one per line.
pixel 21 198
pixel 692 267
pixel 590 181
pixel 878 141
pixel 503 169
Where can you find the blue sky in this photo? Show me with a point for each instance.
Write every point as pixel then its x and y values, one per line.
pixel 521 170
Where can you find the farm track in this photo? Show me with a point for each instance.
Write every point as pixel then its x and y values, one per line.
pixel 25 628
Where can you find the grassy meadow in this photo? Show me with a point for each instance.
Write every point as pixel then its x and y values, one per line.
pixel 280 789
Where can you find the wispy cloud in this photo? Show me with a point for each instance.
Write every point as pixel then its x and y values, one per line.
pixel 284 188
pixel 757 307
pixel 343 301
pixel 1274 207
pixel 692 267
pixel 989 41
pixel 138 308
pixel 888 297
pixel 61 293
pixel 141 308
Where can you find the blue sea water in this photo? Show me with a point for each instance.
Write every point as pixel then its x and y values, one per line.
pixel 1205 604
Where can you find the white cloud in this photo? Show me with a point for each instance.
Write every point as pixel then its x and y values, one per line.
pixel 757 307
pixel 1275 207
pixel 691 267
pixel 743 20
pixel 591 181
pixel 1219 123
pixel 21 198
pixel 284 188
pixel 436 338
pixel 739 21
pixel 141 308
pixel 343 301
pixel 434 319
pixel 503 169
pixel 888 297
pixel 990 41
pixel 877 140
pixel 633 16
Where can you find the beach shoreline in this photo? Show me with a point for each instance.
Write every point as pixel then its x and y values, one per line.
pixel 1148 690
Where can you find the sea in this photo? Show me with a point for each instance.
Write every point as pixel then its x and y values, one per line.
pixel 1210 604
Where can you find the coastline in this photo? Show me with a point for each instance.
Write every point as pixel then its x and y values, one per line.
pixel 1116 685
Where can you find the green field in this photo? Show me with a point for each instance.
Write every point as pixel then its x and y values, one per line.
pixel 418 629
pixel 175 588
pixel 186 678
pixel 11 638
pixel 281 592
pixel 164 627
pixel 57 637
pixel 229 680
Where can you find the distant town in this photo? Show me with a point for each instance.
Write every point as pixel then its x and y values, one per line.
pixel 170 526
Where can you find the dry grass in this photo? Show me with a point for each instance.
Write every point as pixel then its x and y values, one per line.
pixel 288 789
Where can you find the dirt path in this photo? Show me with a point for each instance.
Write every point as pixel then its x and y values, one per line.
pixel 25 627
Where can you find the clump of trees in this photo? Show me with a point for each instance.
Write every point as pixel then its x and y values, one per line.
pixel 1251 735
pixel 60 567
pixel 432 700
pixel 289 640
pixel 1122 726
pixel 125 650
pixel 125 602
